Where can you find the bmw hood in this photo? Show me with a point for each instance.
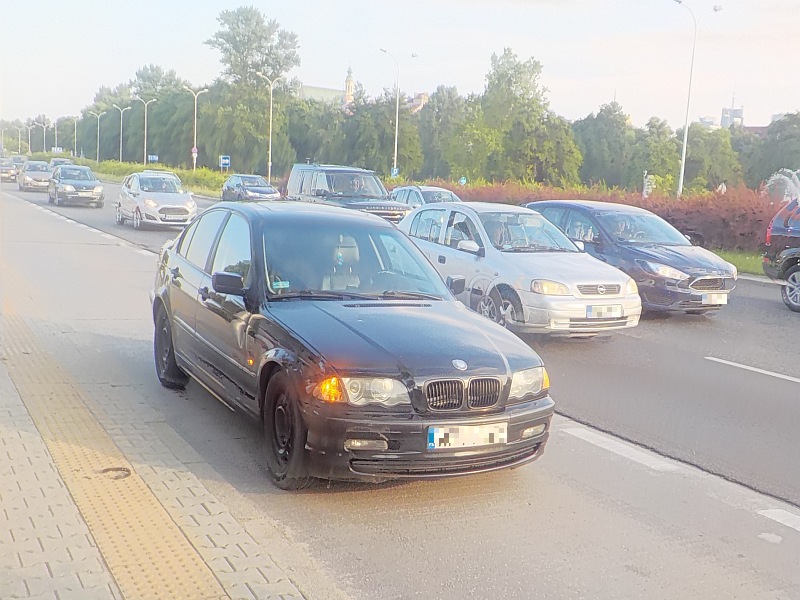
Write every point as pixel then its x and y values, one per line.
pixel 570 268
pixel 692 260
pixel 417 338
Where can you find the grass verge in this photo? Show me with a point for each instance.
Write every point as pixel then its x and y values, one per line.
pixel 746 262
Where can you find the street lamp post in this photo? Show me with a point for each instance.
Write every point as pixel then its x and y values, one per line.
pixel 19 139
pixel 55 129
pixel 44 134
pixel 98 115
pixel 74 136
pixel 29 127
pixel 271 83
pixel 144 152
pixel 717 8
pixel 396 108
pixel 194 144
pixel 121 112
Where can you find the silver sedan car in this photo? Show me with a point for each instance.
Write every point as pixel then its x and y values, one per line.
pixel 522 271
pixel 154 199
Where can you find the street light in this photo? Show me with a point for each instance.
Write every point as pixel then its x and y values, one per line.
pixel 19 139
pixel 29 127
pixel 144 152
pixel 396 109
pixel 44 134
pixel 74 136
pixel 121 112
pixel 717 8
pixel 271 83
pixel 97 153
pixel 194 144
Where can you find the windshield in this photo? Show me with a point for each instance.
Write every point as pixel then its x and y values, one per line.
pixel 6 163
pixel 161 185
pixel 641 228
pixel 77 174
pixel 322 260
pixel 60 161
pixel 355 184
pixel 38 167
pixel 524 232
pixel 254 182
pixel 433 196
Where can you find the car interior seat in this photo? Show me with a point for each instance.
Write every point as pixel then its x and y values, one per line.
pixel 344 269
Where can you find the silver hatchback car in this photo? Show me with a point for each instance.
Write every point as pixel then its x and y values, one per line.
pixel 153 198
pixel 522 271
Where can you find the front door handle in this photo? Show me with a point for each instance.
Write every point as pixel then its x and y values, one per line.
pixel 442 259
pixel 205 294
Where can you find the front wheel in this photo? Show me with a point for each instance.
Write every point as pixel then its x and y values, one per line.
pixel 490 306
pixel 137 219
pixel 285 435
pixel 119 218
pixel 791 291
pixel 99 204
pixel 49 198
pixel 56 201
pixel 169 373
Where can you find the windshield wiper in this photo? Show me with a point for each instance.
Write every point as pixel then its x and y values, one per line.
pixel 321 295
pixel 396 295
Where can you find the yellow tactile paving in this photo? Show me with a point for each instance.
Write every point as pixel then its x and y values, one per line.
pixel 145 550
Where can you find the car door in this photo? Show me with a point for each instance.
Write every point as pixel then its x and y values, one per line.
pixel 226 188
pixel 127 199
pixel 52 185
pixel 452 262
pixel 222 319
pixel 425 230
pixel 188 271
pixel 580 226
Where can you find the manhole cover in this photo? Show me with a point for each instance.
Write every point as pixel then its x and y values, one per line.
pixel 116 472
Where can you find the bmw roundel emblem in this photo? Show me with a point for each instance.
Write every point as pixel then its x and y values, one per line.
pixel 601 289
pixel 460 365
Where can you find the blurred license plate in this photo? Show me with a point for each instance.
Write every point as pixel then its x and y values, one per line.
pixel 85 194
pixel 467 436
pixel 613 311
pixel 174 217
pixel 715 298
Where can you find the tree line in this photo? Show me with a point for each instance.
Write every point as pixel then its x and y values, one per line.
pixel 507 132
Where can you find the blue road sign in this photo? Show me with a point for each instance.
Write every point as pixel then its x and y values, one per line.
pixel 152 158
pixel 463 181
pixel 224 161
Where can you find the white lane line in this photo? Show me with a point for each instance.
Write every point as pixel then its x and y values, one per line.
pixel 146 253
pixel 771 538
pixel 784 517
pixel 628 451
pixel 106 236
pixel 753 369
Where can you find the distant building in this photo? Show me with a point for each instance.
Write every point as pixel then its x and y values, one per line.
pixel 342 97
pixel 418 101
pixel 760 131
pixel 709 122
pixel 731 116
pixel 777 117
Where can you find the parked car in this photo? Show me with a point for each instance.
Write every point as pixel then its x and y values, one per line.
pixel 54 162
pixel 73 184
pixel 417 195
pixel 348 187
pixel 8 171
pixel 34 175
pixel 522 271
pixel 248 187
pixel 154 199
pixel 672 274
pixel 782 256
pixel 331 328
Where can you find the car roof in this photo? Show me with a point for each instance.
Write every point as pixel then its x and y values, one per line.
pixel 594 206
pixel 303 212
pixel 487 207
pixel 36 162
pixel 341 168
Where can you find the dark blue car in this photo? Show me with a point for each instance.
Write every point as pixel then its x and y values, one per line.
pixel 672 274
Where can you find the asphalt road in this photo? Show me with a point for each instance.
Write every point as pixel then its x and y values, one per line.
pixel 594 518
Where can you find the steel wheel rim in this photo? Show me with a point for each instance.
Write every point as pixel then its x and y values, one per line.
pixel 793 288
pixel 509 312
pixel 137 219
pixel 488 308
pixel 164 346
pixel 282 429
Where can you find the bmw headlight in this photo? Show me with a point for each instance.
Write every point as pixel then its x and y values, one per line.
pixel 549 288
pixel 98 189
pixel 528 383
pixel 664 271
pixel 631 287
pixel 150 203
pixel 69 188
pixel 361 391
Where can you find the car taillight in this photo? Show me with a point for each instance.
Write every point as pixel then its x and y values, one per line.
pixel 769 234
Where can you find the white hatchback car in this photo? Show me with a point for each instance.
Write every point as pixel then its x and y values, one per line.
pixel 522 271
pixel 154 198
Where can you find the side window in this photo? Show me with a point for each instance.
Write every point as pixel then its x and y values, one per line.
pixel 430 225
pixel 305 186
pixel 460 227
pixel 234 254
pixel 183 245
pixel 293 185
pixel 578 226
pixel 203 238
pixel 415 198
pixel 401 196
pixel 321 182
pixel 57 173
pixel 554 215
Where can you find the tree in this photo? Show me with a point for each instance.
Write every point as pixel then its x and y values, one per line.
pixel 606 142
pixel 710 159
pixel 657 152
pixel 444 110
pixel 249 43
pixel 512 86
pixel 468 148
pixel 781 149
pixel 749 148
pixel 151 81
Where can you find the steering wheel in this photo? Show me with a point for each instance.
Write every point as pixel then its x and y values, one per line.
pixel 639 235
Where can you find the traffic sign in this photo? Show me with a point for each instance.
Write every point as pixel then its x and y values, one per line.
pixel 194 150
pixel 152 158
pixel 463 181
pixel 395 171
pixel 224 161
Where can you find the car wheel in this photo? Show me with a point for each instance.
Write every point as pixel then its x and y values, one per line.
pixel 56 201
pixel 490 306
pixel 49 198
pixel 791 291
pixel 137 219
pixel 285 436
pixel 511 309
pixel 118 216
pixel 169 373
pixel 99 204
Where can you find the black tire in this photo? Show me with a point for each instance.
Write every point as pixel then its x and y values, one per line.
pixel 285 435
pixel 490 306
pixel 119 218
pixel 169 373
pixel 56 201
pixel 99 204
pixel 49 198
pixel 510 305
pixel 791 291
pixel 137 219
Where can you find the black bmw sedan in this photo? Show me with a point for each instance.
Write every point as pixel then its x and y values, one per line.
pixel 332 329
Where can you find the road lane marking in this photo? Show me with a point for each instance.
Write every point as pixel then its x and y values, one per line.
pixel 784 517
pixel 771 538
pixel 753 369
pixel 646 459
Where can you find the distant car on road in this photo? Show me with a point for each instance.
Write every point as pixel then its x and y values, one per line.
pixel 348 187
pixel 672 274
pixel 331 329
pixel 54 162
pixel 522 271
pixel 152 198
pixel 34 175
pixel 417 195
pixel 73 184
pixel 244 188
pixel 782 257
pixel 8 171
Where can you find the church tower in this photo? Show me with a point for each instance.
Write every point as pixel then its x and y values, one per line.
pixel 349 87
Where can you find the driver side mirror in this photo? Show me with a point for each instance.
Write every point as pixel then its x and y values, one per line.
pixel 457 285
pixel 580 244
pixel 227 283
pixel 469 246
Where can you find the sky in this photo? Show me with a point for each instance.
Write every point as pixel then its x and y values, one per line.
pixel 55 57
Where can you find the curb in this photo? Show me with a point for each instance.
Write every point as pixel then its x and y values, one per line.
pixel 758 279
